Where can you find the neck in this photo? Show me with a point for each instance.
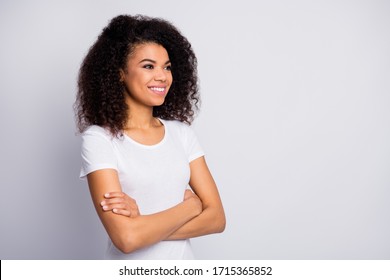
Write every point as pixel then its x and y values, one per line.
pixel 141 117
pixel 136 121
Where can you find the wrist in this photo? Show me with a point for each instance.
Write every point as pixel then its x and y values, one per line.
pixel 195 205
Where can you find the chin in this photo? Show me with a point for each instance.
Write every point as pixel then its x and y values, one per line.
pixel 158 103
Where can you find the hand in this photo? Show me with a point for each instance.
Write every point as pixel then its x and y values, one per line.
pixel 190 195
pixel 121 204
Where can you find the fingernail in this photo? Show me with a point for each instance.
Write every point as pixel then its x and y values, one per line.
pixel 105 207
pixel 114 210
pixel 103 203
pixel 107 195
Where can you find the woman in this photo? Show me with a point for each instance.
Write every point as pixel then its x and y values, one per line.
pixel 136 98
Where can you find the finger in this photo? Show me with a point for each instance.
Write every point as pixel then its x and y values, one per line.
pixel 135 213
pixel 121 206
pixel 114 194
pixel 121 212
pixel 112 201
pixel 119 195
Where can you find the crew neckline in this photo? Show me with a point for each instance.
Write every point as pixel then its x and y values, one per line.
pixel 150 146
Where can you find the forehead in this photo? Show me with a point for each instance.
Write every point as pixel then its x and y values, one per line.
pixel 149 50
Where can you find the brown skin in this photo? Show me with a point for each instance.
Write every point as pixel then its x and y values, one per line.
pixel 130 234
pixel 99 98
pixel 212 218
pixel 201 211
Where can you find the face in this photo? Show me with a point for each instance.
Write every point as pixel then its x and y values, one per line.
pixel 147 75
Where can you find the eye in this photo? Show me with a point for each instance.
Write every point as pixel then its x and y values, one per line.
pixel 148 66
pixel 168 67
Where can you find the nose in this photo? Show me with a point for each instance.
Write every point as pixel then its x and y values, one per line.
pixel 160 74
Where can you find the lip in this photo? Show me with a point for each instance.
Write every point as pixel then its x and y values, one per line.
pixel 158 92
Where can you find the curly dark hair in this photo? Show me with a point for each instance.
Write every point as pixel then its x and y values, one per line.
pixel 101 95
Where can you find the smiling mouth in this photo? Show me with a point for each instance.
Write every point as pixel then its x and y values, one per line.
pixel 158 90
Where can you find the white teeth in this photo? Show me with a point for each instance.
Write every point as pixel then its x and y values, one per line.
pixel 157 89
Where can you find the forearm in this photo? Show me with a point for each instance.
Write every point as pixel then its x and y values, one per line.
pixel 145 230
pixel 130 234
pixel 211 220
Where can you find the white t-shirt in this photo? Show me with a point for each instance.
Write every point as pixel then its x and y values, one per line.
pixel 156 176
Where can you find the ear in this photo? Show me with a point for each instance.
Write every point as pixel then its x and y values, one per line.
pixel 121 75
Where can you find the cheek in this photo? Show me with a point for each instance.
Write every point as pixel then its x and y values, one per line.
pixel 170 78
pixel 137 80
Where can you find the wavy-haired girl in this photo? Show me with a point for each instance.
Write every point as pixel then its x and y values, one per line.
pixel 149 181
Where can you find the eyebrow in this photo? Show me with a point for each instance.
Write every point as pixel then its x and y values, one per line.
pixel 153 61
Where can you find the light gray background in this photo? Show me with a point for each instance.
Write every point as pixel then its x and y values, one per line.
pixel 295 122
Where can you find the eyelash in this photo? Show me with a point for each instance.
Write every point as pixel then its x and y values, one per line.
pixel 150 66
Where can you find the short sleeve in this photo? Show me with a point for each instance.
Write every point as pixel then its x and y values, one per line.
pixel 96 152
pixel 192 145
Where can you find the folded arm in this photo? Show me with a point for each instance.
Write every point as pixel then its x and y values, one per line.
pixel 130 234
pixel 212 219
